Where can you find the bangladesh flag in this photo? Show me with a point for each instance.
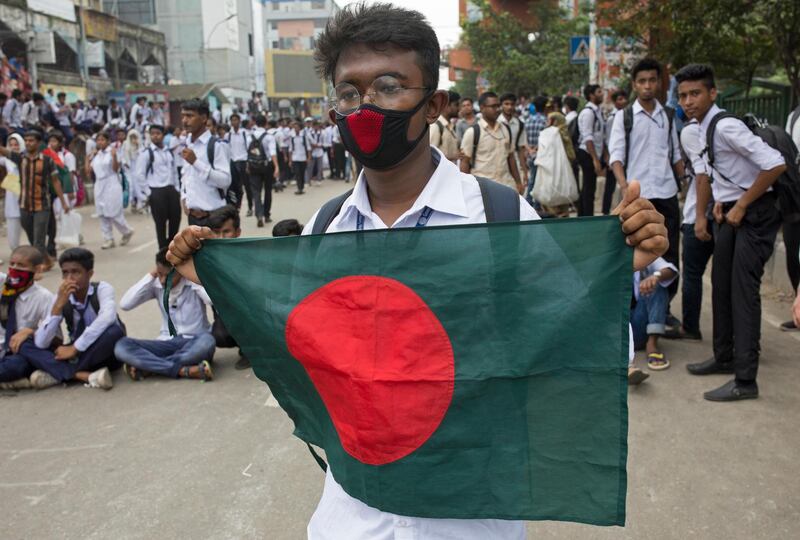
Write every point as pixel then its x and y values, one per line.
pixel 473 371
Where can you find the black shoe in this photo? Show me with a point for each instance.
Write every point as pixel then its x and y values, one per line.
pixel 268 220
pixel 733 391
pixel 709 367
pixel 260 223
pixel 250 212
pixel 299 192
pixel 242 363
pixel 788 326
pixel 681 333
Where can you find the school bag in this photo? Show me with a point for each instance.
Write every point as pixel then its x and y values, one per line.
pixel 627 123
pixel 476 137
pixel 68 313
pixel 257 159
pixel 230 196
pixel 787 186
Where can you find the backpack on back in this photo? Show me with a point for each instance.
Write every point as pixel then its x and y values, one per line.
pixel 68 313
pixel 476 137
pixel 574 133
pixel 627 122
pixel 256 156
pixel 230 196
pixel 787 186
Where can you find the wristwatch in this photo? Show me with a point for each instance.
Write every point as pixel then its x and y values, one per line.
pixel 657 274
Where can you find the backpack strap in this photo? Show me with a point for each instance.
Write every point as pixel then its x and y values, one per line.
pixel 149 170
pixel 210 148
pixel 476 136
pixel 519 136
pixel 500 203
pixel 328 212
pixel 627 123
pixel 709 149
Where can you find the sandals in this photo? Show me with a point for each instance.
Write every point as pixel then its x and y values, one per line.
pixel 133 372
pixel 636 377
pixel 657 361
pixel 206 373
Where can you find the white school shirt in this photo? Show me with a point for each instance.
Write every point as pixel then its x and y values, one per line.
pixel 286 135
pixel 570 116
pixel 315 138
pixel 187 306
pixel 135 109
pixel 794 133
pixel 200 182
pixel 164 172
pixel 11 205
pixel 239 141
pixel 738 154
pixel 30 113
pixel 94 115
pixel 267 143
pixel 327 137
pixel 96 323
pixel 336 137
pixel 31 308
pixel 12 113
pixel 79 116
pixel 659 265
pixel 649 154
pixel 455 199
pixel 590 124
pixel 156 117
pixel 297 146
pixel 516 127
pixel 693 145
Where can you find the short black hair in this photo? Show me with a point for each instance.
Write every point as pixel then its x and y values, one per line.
pixel 32 254
pixel 161 257
pixel 646 64
pixel 236 115
pixel 571 102
pixel 467 98
pixel 540 102
pixel 61 94
pixel 33 133
pixel 261 120
pixel 273 123
pixel 38 97
pixel 16 92
pixel 508 96
pixel 589 90
pixel 106 135
pixel 618 94
pixel 287 227
pixel 200 106
pixel 79 255
pixel 453 97
pixel 697 72
pixel 483 97
pixel 217 218
pixel 156 127
pixel 378 25
pixel 55 135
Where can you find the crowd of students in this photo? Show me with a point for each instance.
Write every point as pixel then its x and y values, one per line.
pixel 719 204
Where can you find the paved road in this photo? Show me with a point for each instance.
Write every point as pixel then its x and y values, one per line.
pixel 183 459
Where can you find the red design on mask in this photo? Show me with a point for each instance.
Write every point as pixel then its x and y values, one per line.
pixel 366 126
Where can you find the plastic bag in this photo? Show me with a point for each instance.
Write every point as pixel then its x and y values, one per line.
pixel 69 230
pixel 555 184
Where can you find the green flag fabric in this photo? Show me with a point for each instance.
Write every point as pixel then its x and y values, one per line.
pixel 473 371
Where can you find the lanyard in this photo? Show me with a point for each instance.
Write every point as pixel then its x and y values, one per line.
pixel 427 212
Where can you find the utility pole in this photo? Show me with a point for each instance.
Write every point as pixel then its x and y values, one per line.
pixel 82 56
pixel 33 66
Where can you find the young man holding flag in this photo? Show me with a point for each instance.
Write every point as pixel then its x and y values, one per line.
pixel 383 62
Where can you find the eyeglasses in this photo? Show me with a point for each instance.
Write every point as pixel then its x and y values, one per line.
pixel 387 93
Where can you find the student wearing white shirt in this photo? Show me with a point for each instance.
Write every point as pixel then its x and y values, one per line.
pixel 791 230
pixel 155 168
pixel 649 315
pixel 650 152
pixel 316 161
pixel 90 312
pixel 262 162
pixel 137 109
pixel 78 113
pixel 327 146
pixel 105 164
pixel 590 153
pixel 31 110
pixel 282 139
pixel 156 114
pixel 394 190
pixel 299 154
pixel 116 115
pixel 620 100
pixel 238 141
pixel 203 184
pixel 94 114
pixel 186 355
pixel 746 224
pixel 12 112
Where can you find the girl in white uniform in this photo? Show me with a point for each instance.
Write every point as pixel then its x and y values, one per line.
pixel 15 144
pixel 108 192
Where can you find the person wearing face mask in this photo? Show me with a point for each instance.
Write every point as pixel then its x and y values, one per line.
pixel 383 64
pixel 23 305
pixel 186 355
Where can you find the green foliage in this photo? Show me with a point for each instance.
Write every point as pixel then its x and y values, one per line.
pixel 514 62
pixel 467 86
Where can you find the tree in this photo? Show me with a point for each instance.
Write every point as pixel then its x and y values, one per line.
pixel 466 86
pixel 526 60
pixel 783 18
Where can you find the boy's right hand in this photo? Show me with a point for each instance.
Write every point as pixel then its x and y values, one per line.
pixel 64 290
pixel 183 247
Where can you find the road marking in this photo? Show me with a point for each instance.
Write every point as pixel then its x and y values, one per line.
pixel 17 453
pixel 143 247
pixel 60 481
pixel 35 499
pixel 245 473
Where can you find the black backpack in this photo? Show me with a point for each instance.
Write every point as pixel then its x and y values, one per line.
pixel 627 122
pixel 476 137
pixel 787 186
pixel 500 203
pixel 68 313
pixel 230 196
pixel 256 156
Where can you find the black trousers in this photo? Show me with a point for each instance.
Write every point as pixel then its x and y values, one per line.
pixel 259 183
pixel 791 239
pixel 331 164
pixel 739 258
pixel 589 186
pixel 696 255
pixel 671 211
pixel 165 205
pixel 608 191
pixel 299 170
pixel 240 184
pixel 284 174
pixel 339 159
pixel 51 232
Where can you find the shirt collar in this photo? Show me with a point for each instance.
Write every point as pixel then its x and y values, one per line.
pixel 593 106
pixel 27 292
pixel 443 192
pixel 712 112
pixel 637 108
pixel 74 301
pixel 485 125
pixel 201 139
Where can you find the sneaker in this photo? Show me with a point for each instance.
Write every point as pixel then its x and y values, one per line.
pixel 250 212
pixel 788 326
pixel 636 376
pixel 242 363
pixel 260 223
pixel 108 244
pixel 126 238
pixel 40 380
pixel 19 384
pixel 101 379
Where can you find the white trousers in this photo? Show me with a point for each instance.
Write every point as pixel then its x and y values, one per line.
pixel 107 225
pixel 13 229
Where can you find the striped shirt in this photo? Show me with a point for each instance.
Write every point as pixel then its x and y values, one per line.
pixel 35 174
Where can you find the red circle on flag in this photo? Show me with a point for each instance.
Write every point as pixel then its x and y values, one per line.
pixel 380 360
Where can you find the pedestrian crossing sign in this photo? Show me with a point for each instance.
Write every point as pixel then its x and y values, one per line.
pixel 579 50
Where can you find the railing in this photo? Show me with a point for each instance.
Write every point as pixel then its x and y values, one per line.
pixel 772 106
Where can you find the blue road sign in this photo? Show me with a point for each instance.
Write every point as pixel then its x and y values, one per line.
pixel 579 50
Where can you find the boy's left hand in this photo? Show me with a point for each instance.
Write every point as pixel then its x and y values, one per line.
pixel 643 227
pixel 18 339
pixel 66 352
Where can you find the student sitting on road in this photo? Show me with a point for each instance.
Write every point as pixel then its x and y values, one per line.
pixel 90 312
pixel 649 315
pixel 23 306
pixel 186 355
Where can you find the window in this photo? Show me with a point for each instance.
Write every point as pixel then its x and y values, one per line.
pixel 276 45
pixel 250 43
pixel 132 11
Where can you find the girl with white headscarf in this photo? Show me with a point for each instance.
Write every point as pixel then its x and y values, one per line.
pixel 130 151
pixel 11 186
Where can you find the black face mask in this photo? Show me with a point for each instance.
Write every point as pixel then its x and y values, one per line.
pixel 378 138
